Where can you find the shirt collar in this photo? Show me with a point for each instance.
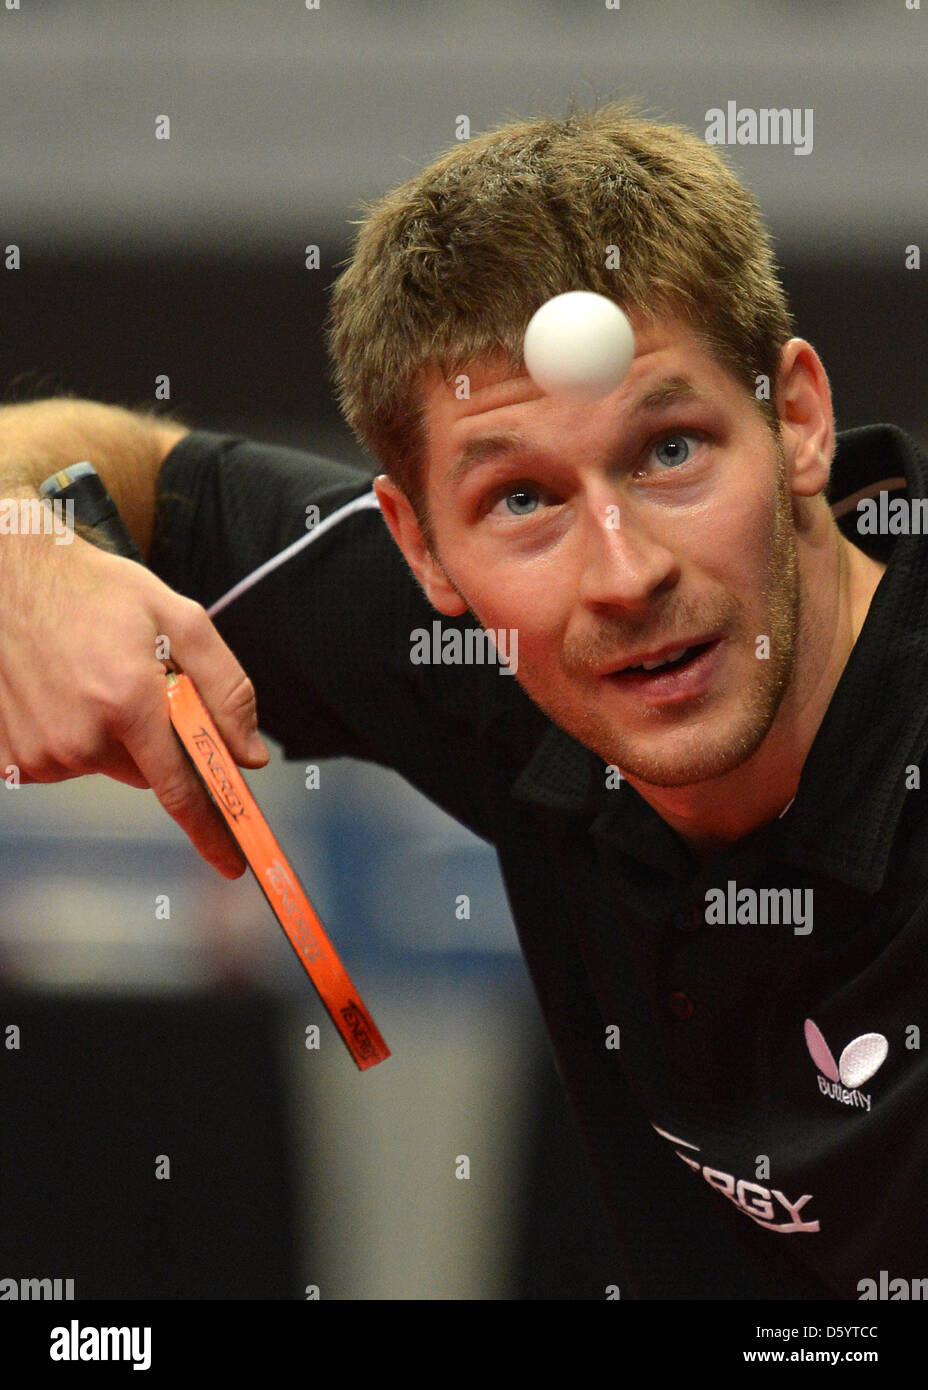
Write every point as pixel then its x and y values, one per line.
pixel 852 789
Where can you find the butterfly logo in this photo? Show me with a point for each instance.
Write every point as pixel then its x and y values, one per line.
pixel 860 1060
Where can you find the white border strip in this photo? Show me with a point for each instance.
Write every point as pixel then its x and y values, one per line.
pixel 366 500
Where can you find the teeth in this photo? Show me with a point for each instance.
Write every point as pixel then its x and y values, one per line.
pixel 653 665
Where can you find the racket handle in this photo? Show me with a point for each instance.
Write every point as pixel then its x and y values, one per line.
pixel 93 507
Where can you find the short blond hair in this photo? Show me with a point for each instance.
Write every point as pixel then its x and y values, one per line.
pixel 450 266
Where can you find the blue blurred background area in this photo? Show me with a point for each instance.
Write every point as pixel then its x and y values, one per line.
pixel 161 1011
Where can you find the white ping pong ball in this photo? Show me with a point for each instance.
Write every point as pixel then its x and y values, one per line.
pixel 579 345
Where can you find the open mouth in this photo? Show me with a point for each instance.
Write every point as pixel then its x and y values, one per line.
pixel 689 675
pixel 690 655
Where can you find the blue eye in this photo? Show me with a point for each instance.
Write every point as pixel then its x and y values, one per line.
pixel 676 446
pixel 520 501
pixel 526 495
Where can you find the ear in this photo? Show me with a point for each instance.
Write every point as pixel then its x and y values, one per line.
pixel 405 530
pixel 807 419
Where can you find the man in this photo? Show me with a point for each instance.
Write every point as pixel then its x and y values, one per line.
pixel 716 870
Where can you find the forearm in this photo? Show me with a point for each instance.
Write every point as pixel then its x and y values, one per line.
pixel 126 449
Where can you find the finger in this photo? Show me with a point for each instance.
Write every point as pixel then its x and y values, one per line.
pixel 160 757
pixel 222 684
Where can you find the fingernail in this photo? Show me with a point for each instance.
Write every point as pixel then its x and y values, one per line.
pixel 257 747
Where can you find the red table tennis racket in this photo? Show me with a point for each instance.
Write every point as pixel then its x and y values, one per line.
pixel 276 879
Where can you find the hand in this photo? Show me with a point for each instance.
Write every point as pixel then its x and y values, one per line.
pixel 82 688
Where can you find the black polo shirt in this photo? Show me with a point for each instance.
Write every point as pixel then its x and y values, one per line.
pixel 741 1151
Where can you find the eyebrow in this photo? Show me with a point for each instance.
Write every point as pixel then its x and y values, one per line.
pixel 670 391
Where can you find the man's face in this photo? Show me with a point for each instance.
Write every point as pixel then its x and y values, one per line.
pixel 654 518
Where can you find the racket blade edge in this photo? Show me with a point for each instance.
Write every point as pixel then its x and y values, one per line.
pixel 281 887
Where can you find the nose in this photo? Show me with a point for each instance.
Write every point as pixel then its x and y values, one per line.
pixel 623 563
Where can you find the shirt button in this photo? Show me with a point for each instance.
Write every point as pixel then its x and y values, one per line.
pixel 681 1005
pixel 690 918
